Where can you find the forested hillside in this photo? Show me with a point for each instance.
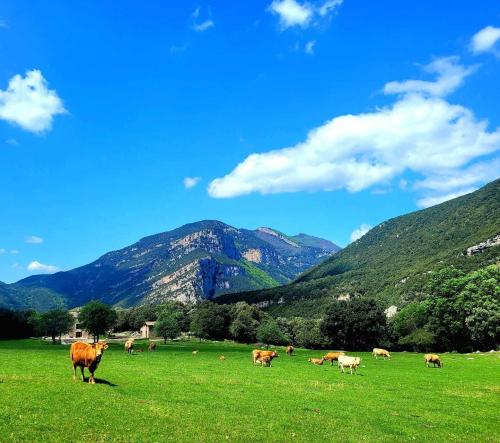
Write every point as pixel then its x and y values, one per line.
pixel 394 260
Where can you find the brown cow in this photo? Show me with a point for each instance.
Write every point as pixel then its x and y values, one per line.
pixel 222 358
pixel 434 359
pixel 289 350
pixel 152 346
pixel 87 356
pixel 258 353
pixel 129 345
pixel 316 361
pixel 195 352
pixel 333 356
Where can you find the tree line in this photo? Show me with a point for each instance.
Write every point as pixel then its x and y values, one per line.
pixel 456 311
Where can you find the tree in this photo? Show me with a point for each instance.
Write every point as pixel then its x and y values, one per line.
pixel 270 333
pixel 358 324
pixel 210 321
pixel 244 327
pixel 55 323
pixel 97 318
pixel 167 326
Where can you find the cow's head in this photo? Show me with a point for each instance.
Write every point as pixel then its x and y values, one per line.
pixel 99 348
pixel 274 354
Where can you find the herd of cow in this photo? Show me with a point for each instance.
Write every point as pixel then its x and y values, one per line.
pixel 84 355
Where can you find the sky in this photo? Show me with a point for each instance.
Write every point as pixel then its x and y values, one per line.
pixel 124 119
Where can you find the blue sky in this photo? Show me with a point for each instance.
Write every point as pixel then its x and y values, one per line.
pixel 324 117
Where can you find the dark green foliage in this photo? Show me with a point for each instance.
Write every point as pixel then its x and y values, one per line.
pixel 16 324
pixel 394 260
pixel 210 321
pixel 167 326
pixel 244 322
pixel 304 332
pixel 358 324
pixel 54 323
pixel 270 333
pixel 458 312
pixel 97 318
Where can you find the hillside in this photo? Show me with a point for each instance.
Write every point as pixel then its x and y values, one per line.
pixel 197 261
pixel 393 260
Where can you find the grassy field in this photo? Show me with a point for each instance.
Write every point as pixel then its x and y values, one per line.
pixel 172 395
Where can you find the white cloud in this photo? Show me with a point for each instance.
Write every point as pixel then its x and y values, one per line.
pixel 36 266
pixel 359 232
pixel 419 133
pixel 200 26
pixel 12 141
pixel 309 48
pixel 450 76
pixel 191 182
pixel 303 14
pixel 291 13
pixel 14 251
pixel 29 103
pixel 2 251
pixel 33 239
pixel 485 40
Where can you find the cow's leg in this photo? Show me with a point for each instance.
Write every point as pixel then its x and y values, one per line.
pixel 83 372
pixel 74 371
pixel 91 378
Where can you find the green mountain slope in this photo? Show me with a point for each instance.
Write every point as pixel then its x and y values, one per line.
pixel 394 259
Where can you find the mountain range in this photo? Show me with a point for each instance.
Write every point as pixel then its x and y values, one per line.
pixel 197 261
pixel 394 260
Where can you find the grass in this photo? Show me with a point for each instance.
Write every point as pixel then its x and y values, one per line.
pixel 172 395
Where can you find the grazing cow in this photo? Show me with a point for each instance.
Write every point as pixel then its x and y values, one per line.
pixel 379 352
pixel 152 346
pixel 332 356
pixel 434 359
pixel 222 358
pixel 265 360
pixel 289 350
pixel 258 353
pixel 86 356
pixel 349 362
pixel 129 345
pixel 316 361
pixel 195 352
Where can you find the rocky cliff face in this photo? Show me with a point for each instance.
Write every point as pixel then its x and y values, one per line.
pixel 197 261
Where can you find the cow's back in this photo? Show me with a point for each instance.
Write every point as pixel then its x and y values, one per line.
pixel 79 352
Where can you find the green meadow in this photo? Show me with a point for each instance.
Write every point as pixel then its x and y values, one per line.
pixel 173 395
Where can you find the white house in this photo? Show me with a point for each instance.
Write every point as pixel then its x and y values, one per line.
pixel 147 329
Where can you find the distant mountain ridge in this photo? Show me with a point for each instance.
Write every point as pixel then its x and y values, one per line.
pixel 197 261
pixel 393 260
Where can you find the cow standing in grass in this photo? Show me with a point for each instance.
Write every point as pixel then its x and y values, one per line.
pixel 129 345
pixel 379 352
pixel 258 354
pixel 349 362
pixel 289 350
pixel 332 356
pixel 152 346
pixel 87 356
pixel 434 359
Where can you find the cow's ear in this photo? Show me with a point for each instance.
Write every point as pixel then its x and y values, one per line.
pixel 106 346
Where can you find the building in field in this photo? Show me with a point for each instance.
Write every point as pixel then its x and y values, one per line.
pixel 147 329
pixel 76 332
